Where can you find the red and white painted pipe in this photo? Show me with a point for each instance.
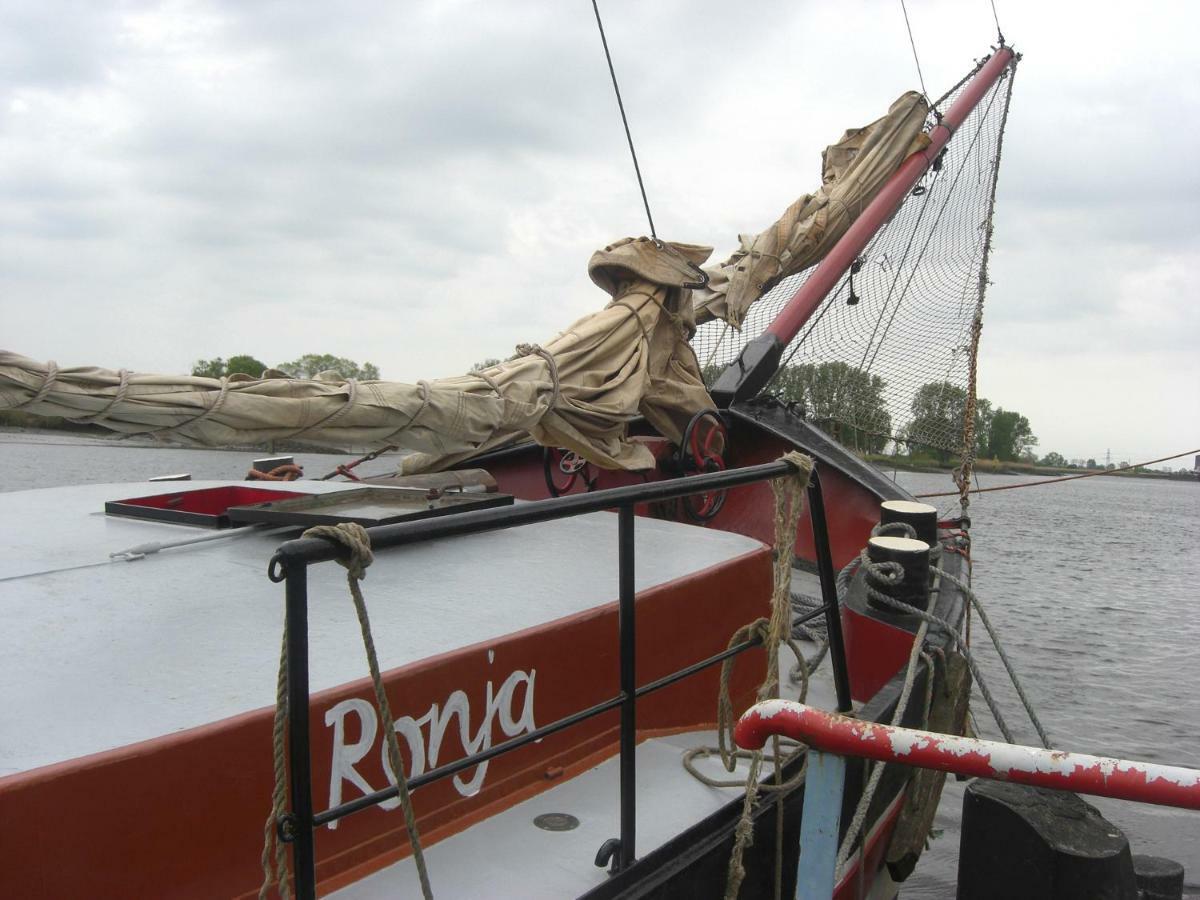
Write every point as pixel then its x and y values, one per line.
pixel 1058 769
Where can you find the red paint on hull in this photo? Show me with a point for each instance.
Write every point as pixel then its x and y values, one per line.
pixel 183 814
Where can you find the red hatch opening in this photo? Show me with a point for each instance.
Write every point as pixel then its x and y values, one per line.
pixel 207 507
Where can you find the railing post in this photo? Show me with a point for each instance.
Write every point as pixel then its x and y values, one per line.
pixel 303 854
pixel 824 784
pixel 625 616
pixel 829 597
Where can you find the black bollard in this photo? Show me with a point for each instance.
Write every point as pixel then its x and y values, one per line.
pixel 1158 878
pixel 913 557
pixel 921 516
pixel 1038 844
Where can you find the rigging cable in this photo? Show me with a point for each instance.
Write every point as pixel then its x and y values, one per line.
pixel 625 121
pixel 999 33
pixel 1023 484
pixel 917 60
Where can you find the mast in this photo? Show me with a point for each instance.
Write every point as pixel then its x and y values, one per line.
pixel 760 358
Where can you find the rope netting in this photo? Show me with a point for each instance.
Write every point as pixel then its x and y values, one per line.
pixel 885 362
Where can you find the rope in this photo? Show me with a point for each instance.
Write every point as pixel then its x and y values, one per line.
pixel 47 385
pixel 1012 673
pixel 216 405
pixel 279 794
pixel 788 492
pixel 625 121
pixel 344 469
pixel 356 540
pixel 996 18
pixel 910 677
pixel 538 350
pixel 916 59
pixel 351 397
pixel 1011 487
pixel 97 418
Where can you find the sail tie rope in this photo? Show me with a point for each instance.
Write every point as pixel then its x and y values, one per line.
pixel 47 385
pixel 351 398
pixel 539 350
pixel 97 418
pixel 788 492
pixel 216 405
pixel 355 539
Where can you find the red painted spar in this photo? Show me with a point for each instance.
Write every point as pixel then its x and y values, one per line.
pixel 806 300
pixel 1100 775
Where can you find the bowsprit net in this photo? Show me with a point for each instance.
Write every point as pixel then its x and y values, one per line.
pixel 887 360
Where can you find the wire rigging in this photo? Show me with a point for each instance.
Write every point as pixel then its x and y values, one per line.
pixel 999 33
pixel 624 120
pixel 916 59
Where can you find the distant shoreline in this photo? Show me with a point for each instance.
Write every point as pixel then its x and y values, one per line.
pixel 95 434
pixel 90 434
pixel 995 467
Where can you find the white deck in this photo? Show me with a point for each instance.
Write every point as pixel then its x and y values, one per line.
pixel 97 654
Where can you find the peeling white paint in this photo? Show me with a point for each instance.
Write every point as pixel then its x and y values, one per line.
pixel 1033 765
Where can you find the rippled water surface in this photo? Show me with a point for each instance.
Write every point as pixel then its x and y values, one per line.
pixel 1095 587
pixel 1095 584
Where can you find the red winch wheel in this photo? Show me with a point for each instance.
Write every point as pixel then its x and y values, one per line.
pixel 702 450
pixel 563 468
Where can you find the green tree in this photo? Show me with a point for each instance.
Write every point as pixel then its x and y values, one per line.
pixel 1010 436
pixel 838 398
pixel 485 364
pixel 312 364
pixel 983 424
pixel 1054 459
pixel 217 367
pixel 938 409
pixel 1091 463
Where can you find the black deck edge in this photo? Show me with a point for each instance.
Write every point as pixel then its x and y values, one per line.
pixel 777 419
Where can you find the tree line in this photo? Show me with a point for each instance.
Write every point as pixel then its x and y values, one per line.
pixel 850 405
pixel 308 366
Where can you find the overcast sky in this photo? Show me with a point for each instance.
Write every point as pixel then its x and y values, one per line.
pixel 420 185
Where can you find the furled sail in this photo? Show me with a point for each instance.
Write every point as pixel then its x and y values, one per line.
pixel 853 171
pixel 578 391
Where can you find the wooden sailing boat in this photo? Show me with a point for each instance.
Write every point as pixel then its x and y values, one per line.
pixel 502 640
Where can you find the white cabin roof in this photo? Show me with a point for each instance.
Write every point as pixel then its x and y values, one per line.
pixel 99 654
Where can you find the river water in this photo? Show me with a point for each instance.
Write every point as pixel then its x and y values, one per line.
pixel 1094 585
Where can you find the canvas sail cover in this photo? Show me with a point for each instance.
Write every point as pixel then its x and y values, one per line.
pixel 578 391
pixel 853 171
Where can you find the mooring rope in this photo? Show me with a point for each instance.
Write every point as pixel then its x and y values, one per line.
pixel 788 492
pixel 355 539
pixel 910 677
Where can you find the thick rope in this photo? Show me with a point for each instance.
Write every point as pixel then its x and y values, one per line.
pixel 788 492
pixel 889 572
pixel 1008 666
pixel 351 398
pixel 46 387
pixel 106 411
pixel 279 794
pixel 354 537
pixel 538 350
pixel 910 677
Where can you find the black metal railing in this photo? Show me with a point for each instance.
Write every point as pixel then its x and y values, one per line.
pixel 290 565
